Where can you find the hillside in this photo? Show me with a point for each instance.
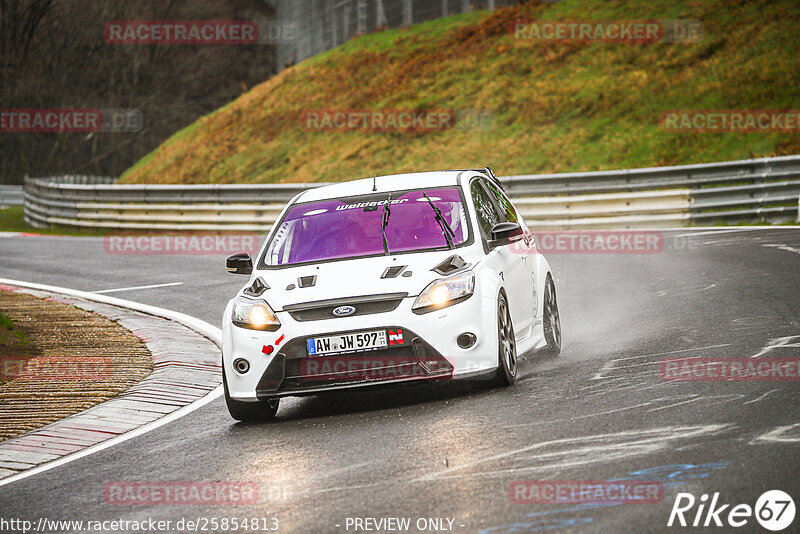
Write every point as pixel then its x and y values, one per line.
pixel 545 105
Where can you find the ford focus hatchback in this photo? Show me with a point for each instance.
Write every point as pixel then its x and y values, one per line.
pixel 404 278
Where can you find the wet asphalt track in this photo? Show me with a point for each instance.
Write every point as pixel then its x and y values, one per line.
pixel 599 411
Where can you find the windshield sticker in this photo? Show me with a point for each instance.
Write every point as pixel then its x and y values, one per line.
pixel 369 204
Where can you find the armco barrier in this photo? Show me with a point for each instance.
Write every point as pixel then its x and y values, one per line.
pixel 758 189
pixel 11 195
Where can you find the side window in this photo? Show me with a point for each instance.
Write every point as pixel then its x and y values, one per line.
pixel 510 212
pixel 484 207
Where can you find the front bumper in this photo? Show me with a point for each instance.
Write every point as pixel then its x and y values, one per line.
pixel 293 372
pixel 429 351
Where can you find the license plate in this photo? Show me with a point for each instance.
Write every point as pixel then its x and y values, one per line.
pixel 350 342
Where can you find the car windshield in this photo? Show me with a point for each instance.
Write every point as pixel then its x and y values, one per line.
pixel 351 227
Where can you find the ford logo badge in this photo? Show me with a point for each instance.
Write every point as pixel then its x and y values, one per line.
pixel 344 311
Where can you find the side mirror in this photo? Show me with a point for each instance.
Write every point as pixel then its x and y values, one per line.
pixel 505 233
pixel 240 263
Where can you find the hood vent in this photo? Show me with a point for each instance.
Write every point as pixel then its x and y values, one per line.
pixel 257 288
pixel 450 265
pixel 393 272
pixel 307 281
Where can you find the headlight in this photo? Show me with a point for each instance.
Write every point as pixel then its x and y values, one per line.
pixel 255 315
pixel 445 292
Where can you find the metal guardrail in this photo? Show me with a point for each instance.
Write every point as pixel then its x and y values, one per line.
pixel 11 195
pixel 759 189
pixel 77 202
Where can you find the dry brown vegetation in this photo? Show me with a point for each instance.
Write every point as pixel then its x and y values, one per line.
pixel 73 359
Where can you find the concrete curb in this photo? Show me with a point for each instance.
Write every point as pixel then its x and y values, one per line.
pixel 186 353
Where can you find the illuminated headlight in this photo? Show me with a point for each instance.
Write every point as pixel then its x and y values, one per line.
pixel 255 315
pixel 445 292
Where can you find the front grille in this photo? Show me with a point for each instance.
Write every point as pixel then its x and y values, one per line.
pixel 353 368
pixel 366 305
pixel 414 359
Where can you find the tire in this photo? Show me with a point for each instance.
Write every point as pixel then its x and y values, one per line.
pixel 551 321
pixel 506 373
pixel 259 411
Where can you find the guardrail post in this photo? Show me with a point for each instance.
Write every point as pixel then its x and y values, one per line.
pixel 408 13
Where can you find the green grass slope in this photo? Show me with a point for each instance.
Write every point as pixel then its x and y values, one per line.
pixel 556 105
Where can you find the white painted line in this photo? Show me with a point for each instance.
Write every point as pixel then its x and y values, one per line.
pixel 695 398
pixel 712 231
pixel 584 450
pixel 787 248
pixel 117 440
pixel 761 397
pixel 680 291
pixel 599 374
pixel 666 383
pixel 648 403
pixel 669 352
pixel 645 364
pixel 201 327
pixel 116 290
pixel 730 397
pixel 778 343
pixel 781 434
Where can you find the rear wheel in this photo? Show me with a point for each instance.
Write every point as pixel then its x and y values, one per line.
pixel 262 410
pixel 506 373
pixel 552 319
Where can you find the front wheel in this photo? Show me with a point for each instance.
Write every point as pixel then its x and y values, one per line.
pixel 551 320
pixel 262 410
pixel 506 373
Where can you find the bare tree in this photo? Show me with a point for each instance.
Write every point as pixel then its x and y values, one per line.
pixel 62 60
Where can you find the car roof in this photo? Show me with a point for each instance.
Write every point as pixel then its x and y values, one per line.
pixel 393 182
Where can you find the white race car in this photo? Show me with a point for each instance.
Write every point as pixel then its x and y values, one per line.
pixel 424 276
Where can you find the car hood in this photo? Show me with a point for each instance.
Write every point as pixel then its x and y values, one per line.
pixel 353 278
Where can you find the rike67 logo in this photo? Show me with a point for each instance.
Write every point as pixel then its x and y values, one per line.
pixel 774 510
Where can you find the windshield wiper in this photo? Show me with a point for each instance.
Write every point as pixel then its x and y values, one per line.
pixel 385 222
pixel 448 232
